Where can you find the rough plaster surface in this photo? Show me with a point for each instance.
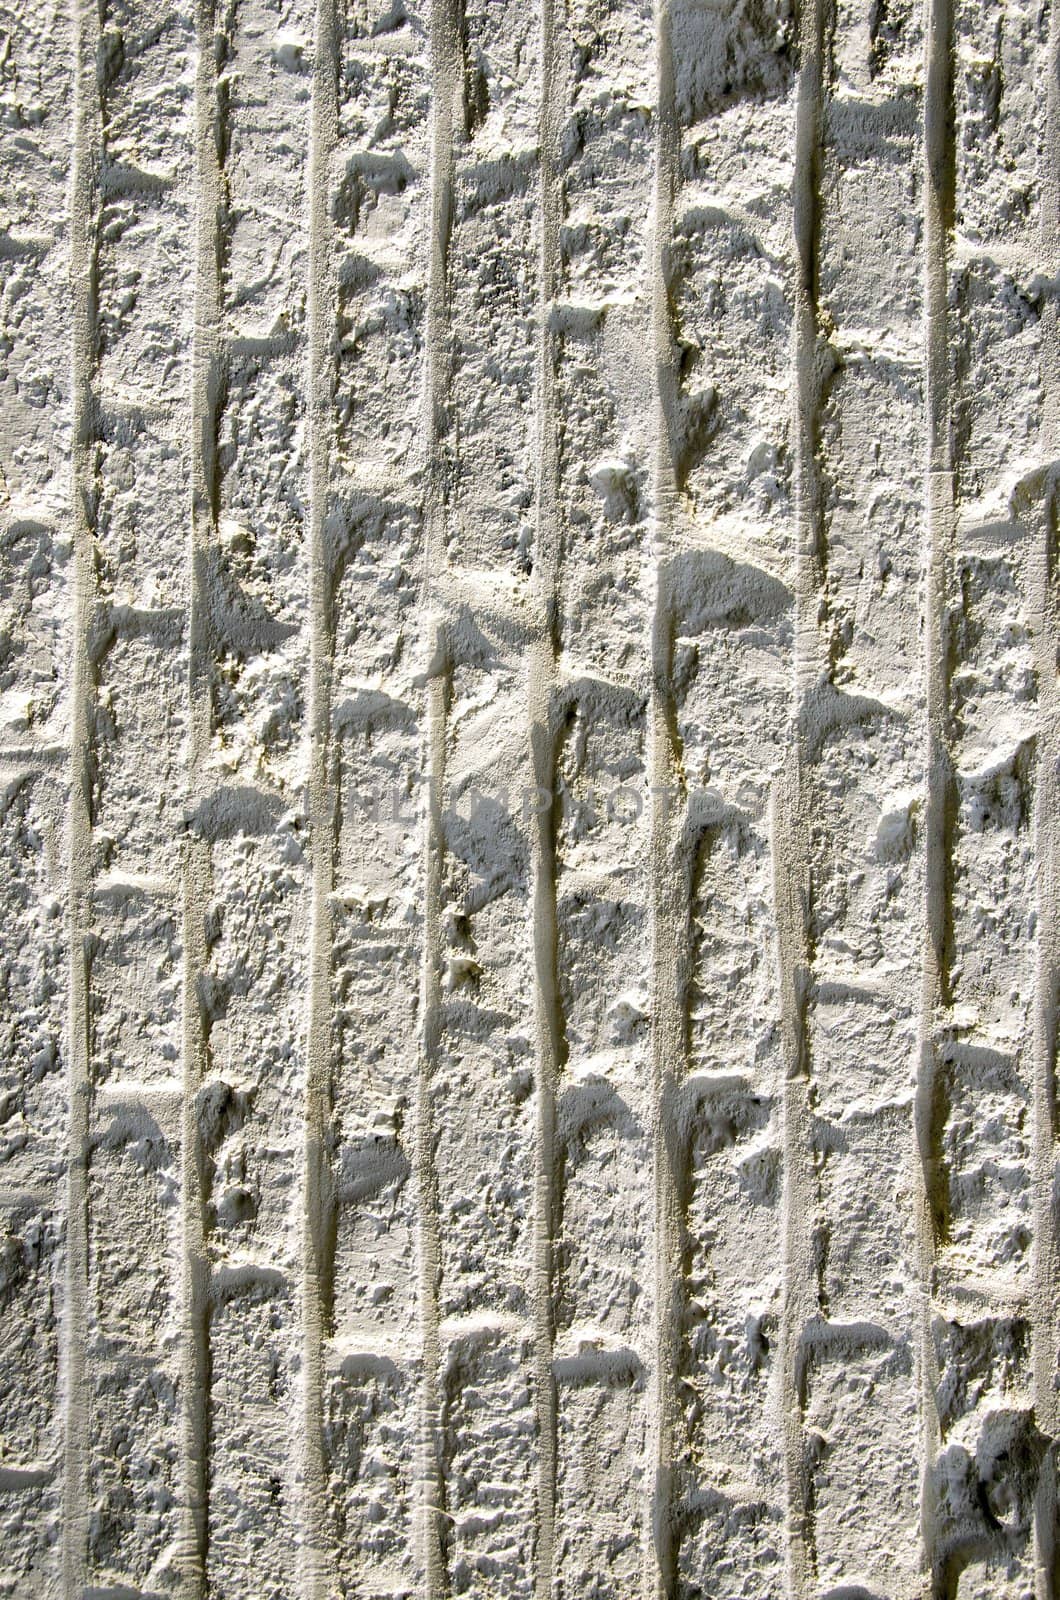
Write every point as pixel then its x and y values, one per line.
pixel 529 747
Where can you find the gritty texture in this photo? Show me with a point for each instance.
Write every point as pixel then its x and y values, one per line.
pixel 529 781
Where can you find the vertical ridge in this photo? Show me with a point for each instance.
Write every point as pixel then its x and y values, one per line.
pixel 790 820
pixel 543 667
pixel 940 536
pixel 446 100
pixel 667 989
pixel 195 1352
pixel 1046 1259
pixel 429 1240
pixel 206 376
pixel 83 249
pixel 319 1199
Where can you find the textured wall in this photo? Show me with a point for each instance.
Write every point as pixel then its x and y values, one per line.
pixel 529 744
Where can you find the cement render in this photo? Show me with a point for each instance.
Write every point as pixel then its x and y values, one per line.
pixel 529 762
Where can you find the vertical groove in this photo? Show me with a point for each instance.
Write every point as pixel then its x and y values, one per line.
pixel 1043 606
pixel 317 1284
pixel 791 891
pixel 667 988
pixel 446 28
pixel 205 380
pixel 543 677
pixel 940 534
pixel 543 668
pixel 790 829
pixel 83 267
pixel 811 655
